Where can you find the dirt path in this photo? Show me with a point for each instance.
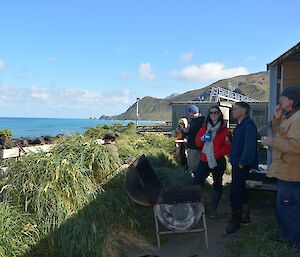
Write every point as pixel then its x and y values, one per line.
pixel 193 244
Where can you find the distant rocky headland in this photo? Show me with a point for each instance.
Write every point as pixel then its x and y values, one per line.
pixel 254 85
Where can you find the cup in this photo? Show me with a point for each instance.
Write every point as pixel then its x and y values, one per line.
pixel 263 140
pixel 208 136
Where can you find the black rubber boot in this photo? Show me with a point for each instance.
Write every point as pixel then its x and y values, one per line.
pixel 215 203
pixel 234 224
pixel 275 236
pixel 245 220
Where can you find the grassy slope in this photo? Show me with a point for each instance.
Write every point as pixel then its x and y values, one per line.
pixel 150 108
pixel 106 223
pixel 75 195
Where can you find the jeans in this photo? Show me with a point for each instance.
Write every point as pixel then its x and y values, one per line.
pixel 203 171
pixel 238 192
pixel 288 211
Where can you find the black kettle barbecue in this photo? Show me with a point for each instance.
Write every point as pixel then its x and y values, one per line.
pixel 178 209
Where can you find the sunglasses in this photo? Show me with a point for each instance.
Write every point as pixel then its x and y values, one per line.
pixel 214 113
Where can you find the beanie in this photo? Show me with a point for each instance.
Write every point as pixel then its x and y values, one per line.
pixel 193 108
pixel 109 136
pixel 293 93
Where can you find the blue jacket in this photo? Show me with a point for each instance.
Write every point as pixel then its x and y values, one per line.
pixel 244 145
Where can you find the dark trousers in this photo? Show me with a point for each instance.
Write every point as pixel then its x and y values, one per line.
pixel 288 211
pixel 203 171
pixel 238 192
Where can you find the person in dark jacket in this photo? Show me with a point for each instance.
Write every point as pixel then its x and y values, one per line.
pixel 213 139
pixel 243 157
pixel 193 151
pixel 110 144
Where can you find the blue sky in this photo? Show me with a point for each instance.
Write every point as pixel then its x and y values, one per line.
pixel 87 58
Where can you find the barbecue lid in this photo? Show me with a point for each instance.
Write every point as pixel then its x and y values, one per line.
pixel 141 182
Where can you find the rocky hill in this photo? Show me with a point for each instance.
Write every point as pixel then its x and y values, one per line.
pixel 254 85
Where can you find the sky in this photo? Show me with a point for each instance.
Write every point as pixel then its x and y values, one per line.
pixel 80 59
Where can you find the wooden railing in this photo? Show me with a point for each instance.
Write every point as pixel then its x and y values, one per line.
pixel 158 128
pixel 19 151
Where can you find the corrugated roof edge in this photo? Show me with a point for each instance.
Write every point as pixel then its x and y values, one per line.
pixel 207 102
pixel 294 50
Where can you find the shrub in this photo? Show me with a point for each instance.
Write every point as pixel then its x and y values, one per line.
pixel 6 132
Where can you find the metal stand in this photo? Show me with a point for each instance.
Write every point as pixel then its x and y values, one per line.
pixel 195 230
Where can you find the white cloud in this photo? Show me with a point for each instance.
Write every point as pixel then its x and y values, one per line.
pixel 81 96
pixel 62 102
pixel 125 75
pixel 2 64
pixel 167 52
pixel 146 72
pixel 4 88
pixel 207 71
pixel 52 59
pixel 186 57
pixel 8 95
pixel 39 93
pixel 251 58
pixel 123 97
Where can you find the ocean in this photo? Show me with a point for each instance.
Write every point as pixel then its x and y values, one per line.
pixel 35 127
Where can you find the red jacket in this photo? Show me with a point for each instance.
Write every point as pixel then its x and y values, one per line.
pixel 221 142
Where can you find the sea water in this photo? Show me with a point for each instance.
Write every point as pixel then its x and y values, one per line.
pixel 35 127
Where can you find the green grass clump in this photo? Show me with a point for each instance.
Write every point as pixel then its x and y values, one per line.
pixel 99 131
pixel 75 194
pixel 54 186
pixel 18 231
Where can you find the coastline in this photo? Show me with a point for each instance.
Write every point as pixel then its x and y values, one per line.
pixel 31 128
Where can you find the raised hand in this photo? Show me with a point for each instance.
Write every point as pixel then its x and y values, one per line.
pixel 277 112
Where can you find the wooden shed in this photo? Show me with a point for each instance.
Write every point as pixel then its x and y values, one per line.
pixel 259 112
pixel 284 71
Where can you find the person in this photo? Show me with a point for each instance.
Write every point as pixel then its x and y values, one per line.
pixel 243 157
pixel 213 139
pixel 180 141
pixel 110 144
pixel 193 151
pixel 285 166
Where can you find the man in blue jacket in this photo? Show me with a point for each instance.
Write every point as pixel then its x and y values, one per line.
pixel 243 157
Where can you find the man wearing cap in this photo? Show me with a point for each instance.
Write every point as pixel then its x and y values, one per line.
pixel 286 166
pixel 110 144
pixel 193 152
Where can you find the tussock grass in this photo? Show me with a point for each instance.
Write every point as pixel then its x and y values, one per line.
pixel 18 231
pixel 75 194
pixel 54 186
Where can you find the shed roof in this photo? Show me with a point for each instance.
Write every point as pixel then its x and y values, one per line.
pixel 191 102
pixel 291 52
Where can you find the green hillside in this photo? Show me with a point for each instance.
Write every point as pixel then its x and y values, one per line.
pixel 254 85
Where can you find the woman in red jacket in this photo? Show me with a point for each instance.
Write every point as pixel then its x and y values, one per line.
pixel 213 139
